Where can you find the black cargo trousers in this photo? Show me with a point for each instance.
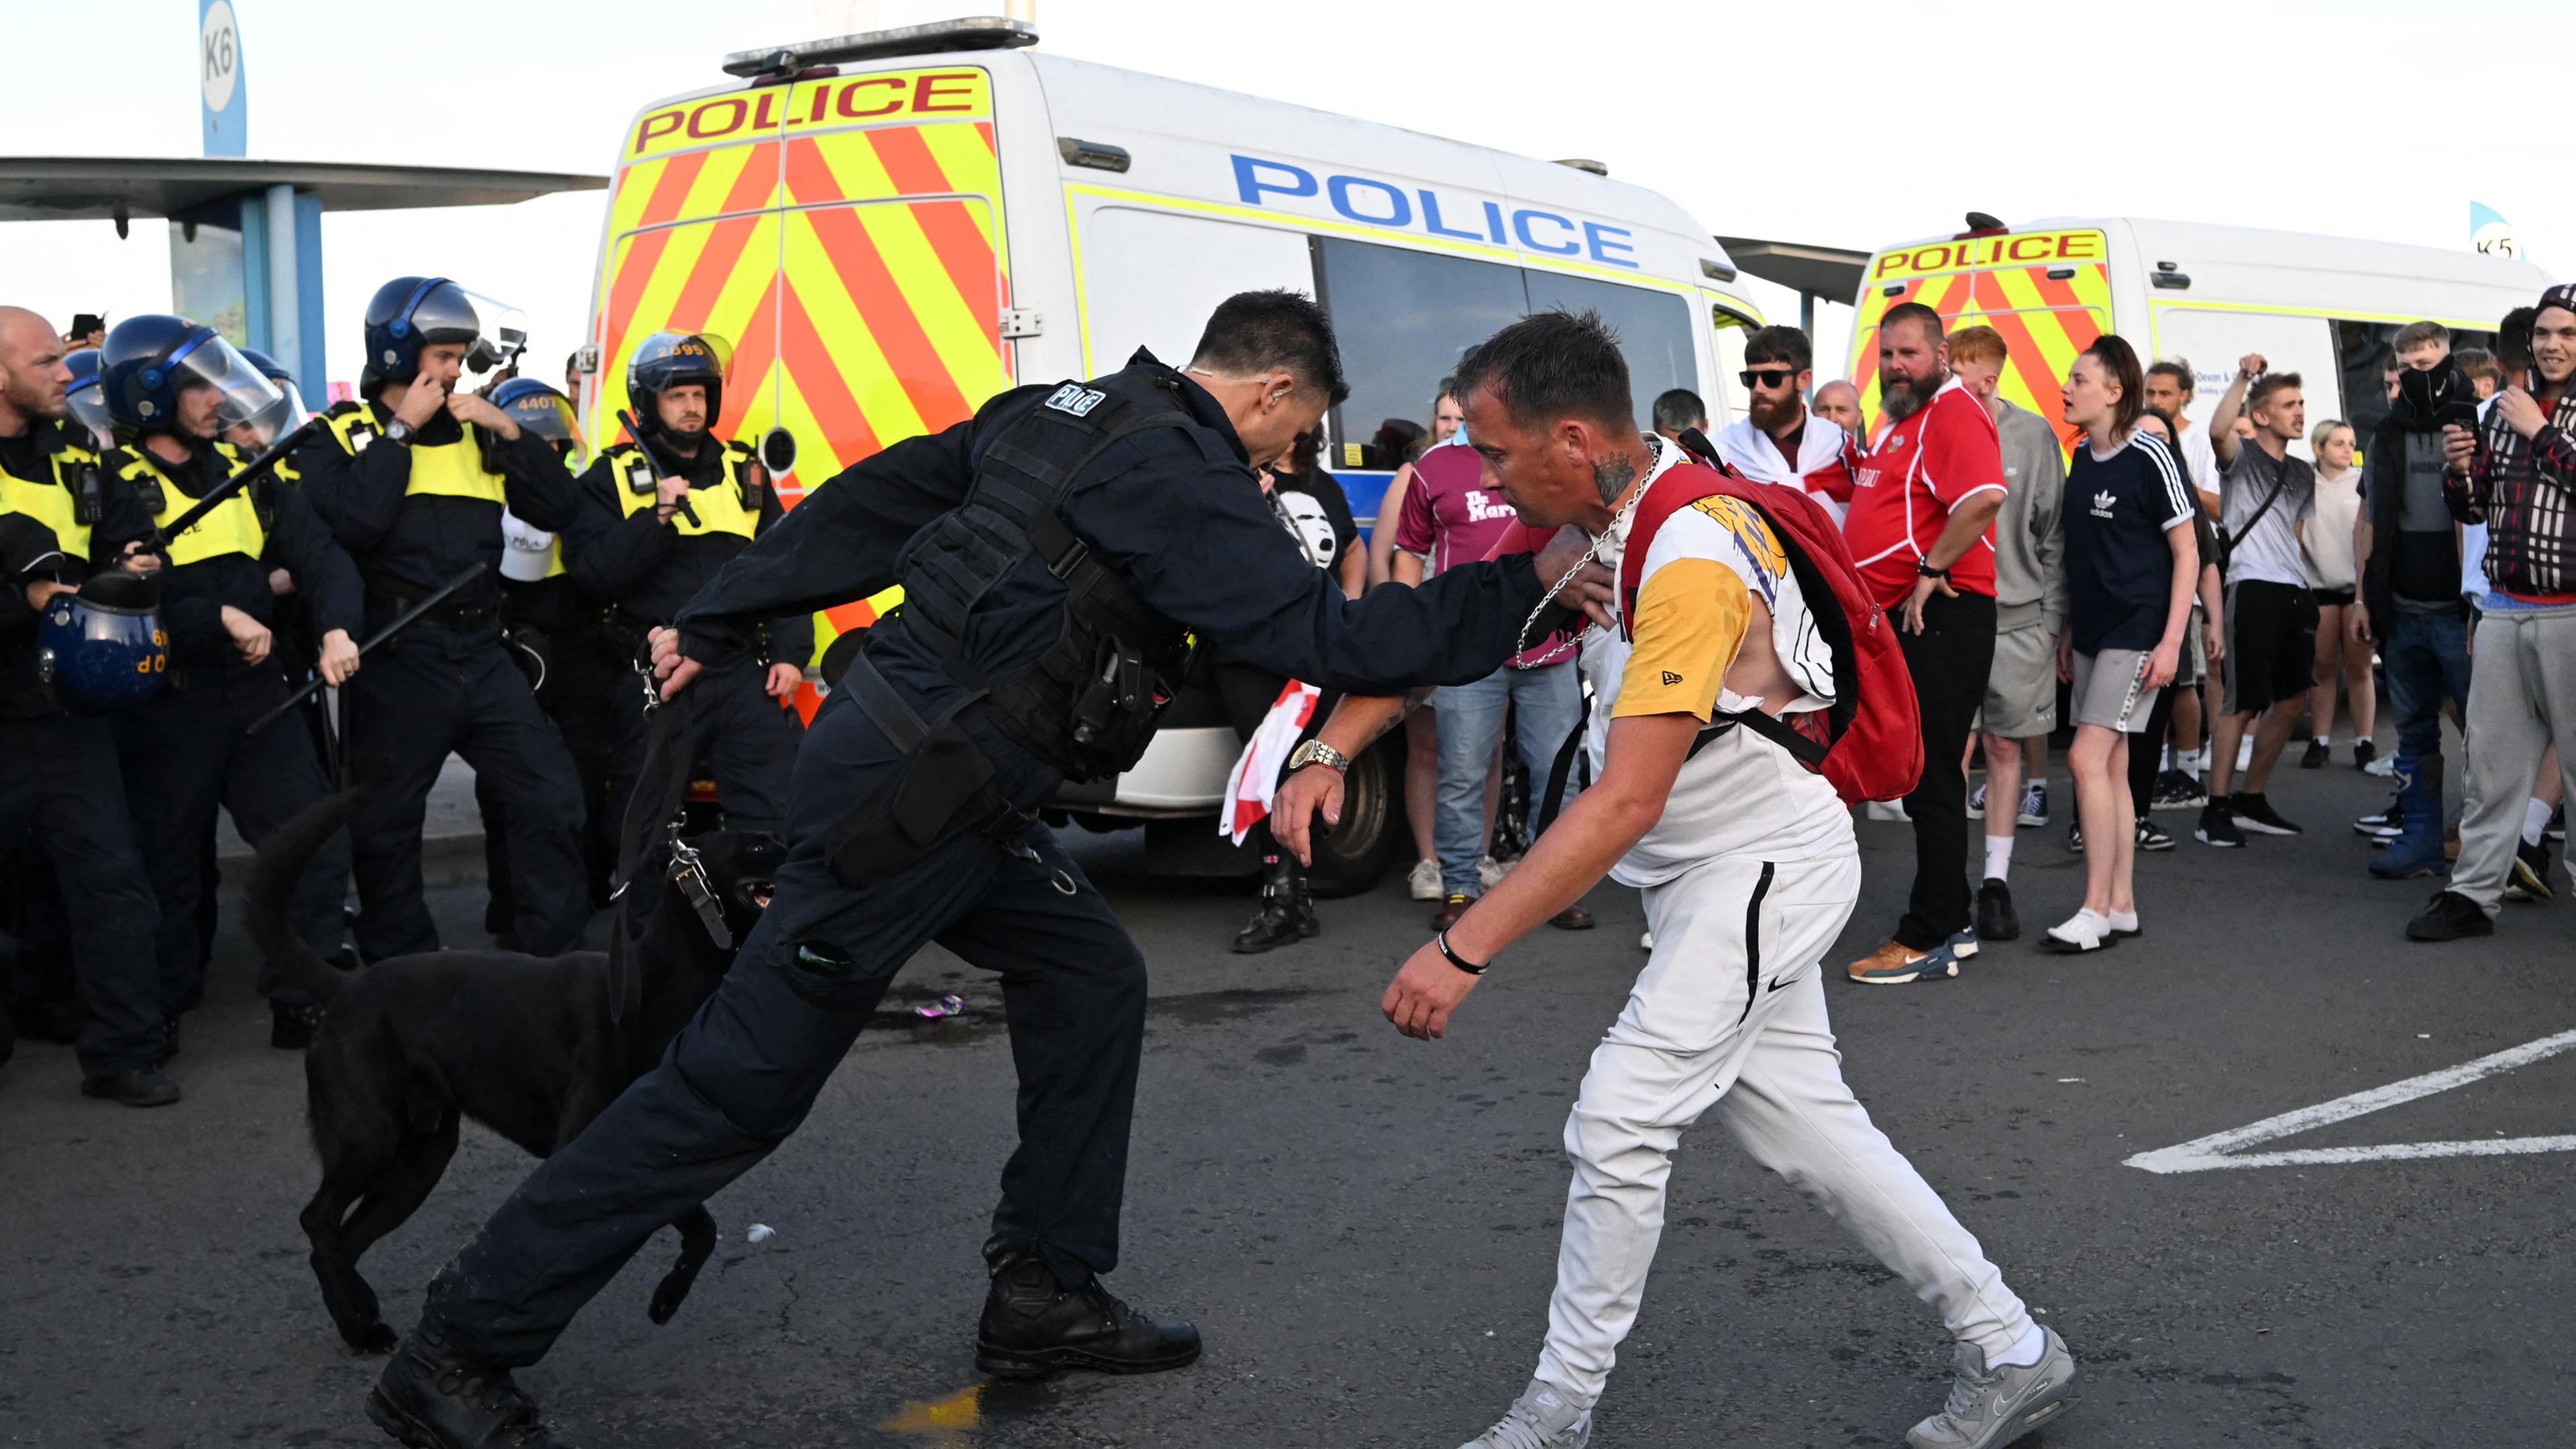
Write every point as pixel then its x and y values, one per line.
pixel 740 1077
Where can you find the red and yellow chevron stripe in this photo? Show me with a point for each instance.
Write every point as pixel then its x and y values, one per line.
pixel 2045 320
pixel 845 235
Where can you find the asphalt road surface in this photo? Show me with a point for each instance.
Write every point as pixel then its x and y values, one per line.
pixel 1365 1227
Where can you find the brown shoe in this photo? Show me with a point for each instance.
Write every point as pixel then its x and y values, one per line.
pixel 1572 918
pixel 1450 910
pixel 1894 965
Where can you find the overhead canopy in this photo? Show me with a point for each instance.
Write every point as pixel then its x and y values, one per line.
pixel 79 188
pixel 1829 272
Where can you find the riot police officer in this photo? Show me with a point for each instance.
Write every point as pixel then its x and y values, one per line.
pixel 657 528
pixel 58 514
pixel 175 391
pixel 1059 553
pixel 554 630
pixel 413 481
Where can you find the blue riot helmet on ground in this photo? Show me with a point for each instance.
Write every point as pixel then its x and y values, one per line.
pixel 667 360
pixel 104 646
pixel 284 382
pixel 409 313
pixel 540 409
pixel 85 399
pixel 165 374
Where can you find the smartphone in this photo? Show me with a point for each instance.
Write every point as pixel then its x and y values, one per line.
pixel 2462 415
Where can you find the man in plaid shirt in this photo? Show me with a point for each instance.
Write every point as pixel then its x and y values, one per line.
pixel 2518 477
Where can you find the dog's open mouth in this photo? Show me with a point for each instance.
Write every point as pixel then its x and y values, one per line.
pixel 758 892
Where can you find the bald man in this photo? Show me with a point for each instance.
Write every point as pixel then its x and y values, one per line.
pixel 1840 401
pixel 57 518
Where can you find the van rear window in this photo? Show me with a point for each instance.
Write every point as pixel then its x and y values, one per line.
pixel 1404 318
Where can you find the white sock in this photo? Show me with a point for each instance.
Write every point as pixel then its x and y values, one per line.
pixel 2086 920
pixel 2026 1350
pixel 2165 760
pixel 2192 761
pixel 2323 739
pixel 1999 857
pixel 2123 920
pixel 2535 819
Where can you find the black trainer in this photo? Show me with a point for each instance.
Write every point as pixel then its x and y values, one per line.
pixel 2152 836
pixel 2255 813
pixel 2530 881
pixel 2450 916
pixel 2316 755
pixel 1996 918
pixel 291 1024
pixel 432 1397
pixel 2363 752
pixel 2218 828
pixel 134 1087
pixel 1033 1326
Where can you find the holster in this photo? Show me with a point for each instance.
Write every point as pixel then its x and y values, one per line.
pixel 942 788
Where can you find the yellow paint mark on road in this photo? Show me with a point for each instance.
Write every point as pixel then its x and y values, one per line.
pixel 943 1421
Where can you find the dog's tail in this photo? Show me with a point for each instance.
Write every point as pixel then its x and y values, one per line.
pixel 272 889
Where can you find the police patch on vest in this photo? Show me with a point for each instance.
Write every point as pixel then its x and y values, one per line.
pixel 1076 399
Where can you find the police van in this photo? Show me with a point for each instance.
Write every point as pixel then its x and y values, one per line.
pixel 890 228
pixel 2324 307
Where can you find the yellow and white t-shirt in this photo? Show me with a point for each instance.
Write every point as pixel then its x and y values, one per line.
pixel 1740 794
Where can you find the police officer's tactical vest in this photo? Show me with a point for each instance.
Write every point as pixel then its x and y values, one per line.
pixel 734 510
pixel 239 524
pixel 450 470
pixel 1088 705
pixel 68 505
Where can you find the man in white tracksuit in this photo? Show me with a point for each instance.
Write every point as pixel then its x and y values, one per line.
pixel 1749 870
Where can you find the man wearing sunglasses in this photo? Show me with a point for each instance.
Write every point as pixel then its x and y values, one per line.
pixel 1779 441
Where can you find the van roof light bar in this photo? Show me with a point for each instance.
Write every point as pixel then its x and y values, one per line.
pixel 976 32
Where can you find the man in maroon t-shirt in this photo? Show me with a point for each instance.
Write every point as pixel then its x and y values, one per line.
pixel 1919 531
pixel 1452 517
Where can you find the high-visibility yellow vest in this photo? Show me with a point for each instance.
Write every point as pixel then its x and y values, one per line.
pixel 734 510
pixel 450 470
pixel 54 504
pixel 233 527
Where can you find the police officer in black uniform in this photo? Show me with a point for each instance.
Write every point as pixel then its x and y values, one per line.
pixel 58 512
pixel 554 630
pixel 1058 553
pixel 657 528
pixel 413 482
pixel 175 389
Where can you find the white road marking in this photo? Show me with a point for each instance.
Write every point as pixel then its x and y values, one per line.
pixel 2225 1149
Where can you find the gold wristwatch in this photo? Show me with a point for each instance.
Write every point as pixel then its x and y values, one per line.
pixel 1316 752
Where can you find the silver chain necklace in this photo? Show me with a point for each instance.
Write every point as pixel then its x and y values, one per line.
pixel 1590 555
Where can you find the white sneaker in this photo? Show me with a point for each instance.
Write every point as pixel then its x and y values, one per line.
pixel 2084 931
pixel 1991 1408
pixel 1886 810
pixel 1490 872
pixel 1424 883
pixel 1541 1419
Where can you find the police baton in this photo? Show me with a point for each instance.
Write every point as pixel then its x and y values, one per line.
pixel 655 464
pixel 275 453
pixel 306 689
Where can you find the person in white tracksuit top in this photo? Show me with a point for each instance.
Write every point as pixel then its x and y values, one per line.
pixel 1749 870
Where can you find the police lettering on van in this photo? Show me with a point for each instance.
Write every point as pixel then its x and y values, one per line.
pixel 1372 202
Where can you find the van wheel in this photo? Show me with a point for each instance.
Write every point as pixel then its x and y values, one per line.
pixel 1352 856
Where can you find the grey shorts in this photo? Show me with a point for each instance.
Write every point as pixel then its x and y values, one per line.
pixel 2103 685
pixel 2021 685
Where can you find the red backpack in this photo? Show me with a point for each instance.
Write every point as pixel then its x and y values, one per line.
pixel 1869 742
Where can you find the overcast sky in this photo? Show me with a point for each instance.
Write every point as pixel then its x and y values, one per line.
pixel 1851 125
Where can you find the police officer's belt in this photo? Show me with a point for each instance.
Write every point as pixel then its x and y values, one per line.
pixel 391 599
pixel 943 788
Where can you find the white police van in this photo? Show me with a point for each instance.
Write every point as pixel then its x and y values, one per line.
pixel 955 213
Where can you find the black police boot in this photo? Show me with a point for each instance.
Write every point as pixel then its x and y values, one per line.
pixel 134 1087
pixel 1287 909
pixel 1032 1326
pixel 433 1397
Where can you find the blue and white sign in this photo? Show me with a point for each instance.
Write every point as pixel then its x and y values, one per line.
pixel 2490 233
pixel 1429 212
pixel 219 79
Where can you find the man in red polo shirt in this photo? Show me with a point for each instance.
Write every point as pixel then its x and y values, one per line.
pixel 1919 530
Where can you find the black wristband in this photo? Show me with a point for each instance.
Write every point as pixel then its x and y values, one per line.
pixel 1461 962
pixel 1924 567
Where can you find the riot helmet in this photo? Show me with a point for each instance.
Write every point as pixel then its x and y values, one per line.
pixel 154 366
pixel 86 400
pixel 541 410
pixel 667 360
pixel 284 381
pixel 104 646
pixel 409 313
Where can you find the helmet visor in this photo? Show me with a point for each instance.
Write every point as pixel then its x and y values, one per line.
pixel 87 402
pixel 501 336
pixel 244 398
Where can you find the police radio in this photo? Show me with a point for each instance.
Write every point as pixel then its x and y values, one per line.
pixel 652 478
pixel 89 495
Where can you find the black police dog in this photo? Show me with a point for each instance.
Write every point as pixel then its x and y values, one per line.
pixel 521 1044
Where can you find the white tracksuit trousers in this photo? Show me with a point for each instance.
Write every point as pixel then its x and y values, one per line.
pixel 1729 1015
